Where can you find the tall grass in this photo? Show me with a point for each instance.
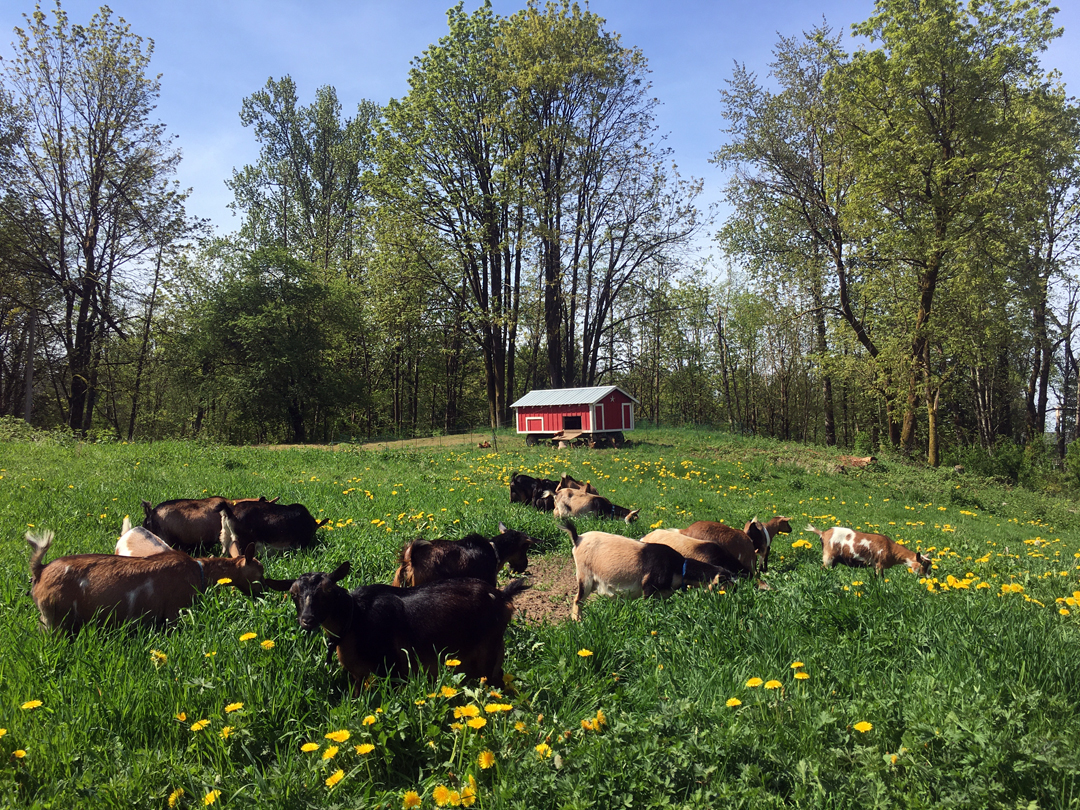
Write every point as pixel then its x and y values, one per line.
pixel 971 688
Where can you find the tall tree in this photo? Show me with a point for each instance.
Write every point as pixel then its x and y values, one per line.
pixel 91 181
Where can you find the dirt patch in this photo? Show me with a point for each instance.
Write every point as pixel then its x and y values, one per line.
pixel 554 583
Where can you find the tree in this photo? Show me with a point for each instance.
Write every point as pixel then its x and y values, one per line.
pixel 90 186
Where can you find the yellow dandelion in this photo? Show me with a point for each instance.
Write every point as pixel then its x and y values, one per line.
pixel 519 726
pixel 863 727
pixel 476 723
pixel 330 752
pixel 797 664
pixel 18 753
pixel 225 581
pixel 335 777
pixel 733 702
pixel 364 748
pixel 448 691
pixel 802 676
pixel 3 731
pixel 773 684
pixel 410 800
pixel 210 797
pixel 31 704
pixel 157 657
pixel 338 736
pixel 486 759
pixel 543 750
pixel 233 707
pixel 308 747
pixel 174 797
pixel 199 725
pixel 754 682
pixel 584 653
pixel 466 711
pixel 587 724
pixel 1063 611
pixel 369 720
pixel 248 636
pixel 182 716
pixel 266 644
pixel 453 662
pixel 225 732
pixel 441 795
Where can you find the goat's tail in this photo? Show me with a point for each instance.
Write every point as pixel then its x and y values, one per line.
pixel 567 526
pixel 810 528
pixel 39 543
pixel 403 576
pixel 127 525
pixel 514 587
pixel 230 543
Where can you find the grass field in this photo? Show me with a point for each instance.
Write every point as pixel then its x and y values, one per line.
pixel 958 691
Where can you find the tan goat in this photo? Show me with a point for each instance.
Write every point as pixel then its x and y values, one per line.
pixel 749 545
pixel 866 550
pixel 700 550
pixel 578 502
pixel 82 588
pixel 613 565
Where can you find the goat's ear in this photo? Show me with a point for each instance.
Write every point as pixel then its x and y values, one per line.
pixel 502 527
pixel 341 571
pixel 148 508
pixel 278 584
pixel 249 552
pixel 275 499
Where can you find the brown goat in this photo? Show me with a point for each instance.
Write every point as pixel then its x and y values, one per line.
pixel 383 630
pixel 576 502
pixel 867 550
pixel 190 523
pixel 613 565
pixel 472 556
pixel 82 588
pixel 569 482
pixel 700 550
pixel 750 545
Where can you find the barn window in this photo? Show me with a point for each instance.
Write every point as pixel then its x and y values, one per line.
pixel 571 422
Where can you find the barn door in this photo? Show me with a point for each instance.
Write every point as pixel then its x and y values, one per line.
pixel 598 418
pixel 628 416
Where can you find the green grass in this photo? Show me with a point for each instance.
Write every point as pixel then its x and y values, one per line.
pixel 972 690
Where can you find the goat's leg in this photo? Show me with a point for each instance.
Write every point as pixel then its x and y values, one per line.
pixel 582 595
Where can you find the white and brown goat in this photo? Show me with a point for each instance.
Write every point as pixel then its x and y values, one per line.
pixel 866 550
pixel 82 588
pixel 613 565
pixel 578 502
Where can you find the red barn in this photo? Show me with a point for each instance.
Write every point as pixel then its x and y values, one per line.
pixel 571 413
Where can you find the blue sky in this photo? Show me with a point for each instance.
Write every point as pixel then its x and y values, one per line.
pixel 213 53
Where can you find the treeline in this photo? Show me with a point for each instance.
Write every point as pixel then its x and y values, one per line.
pixel 898 256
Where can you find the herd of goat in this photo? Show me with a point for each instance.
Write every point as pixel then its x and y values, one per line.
pixel 445 597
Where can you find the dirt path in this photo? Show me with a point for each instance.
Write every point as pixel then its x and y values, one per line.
pixel 455 440
pixel 554 584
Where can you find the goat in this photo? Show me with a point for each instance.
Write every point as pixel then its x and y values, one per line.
pixel 423 561
pixel 865 550
pixel 569 482
pixel 613 565
pixel 78 589
pixel 138 542
pixel 537 492
pixel 189 523
pixel 700 550
pixel 576 502
pixel 382 630
pixel 750 545
pixel 278 525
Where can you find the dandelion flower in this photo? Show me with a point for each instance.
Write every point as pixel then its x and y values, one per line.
pixel 199 725
pixel 210 797
pixel 225 581
pixel 31 704
pixel 441 795
pixel 754 682
pixel 797 664
pixel 584 653
pixel 733 702
pixel 587 724
pixel 1064 611
pixel 863 726
pixel 369 720
pixel 335 777
pixel 448 691
pixel 18 753
pixel 182 716
pixel 225 732
pixel 233 707
pixel 410 800
pixel 485 760
pixel 364 748
pixel 330 752
pixel 158 658
pixel 174 797
pixel 266 644
pixel 519 726
pixel 476 723
pixel 773 684
pixel 3 731
pixel 802 676
pixel 338 736
pixel 543 750
pixel 453 662
pixel 308 747
pixel 248 636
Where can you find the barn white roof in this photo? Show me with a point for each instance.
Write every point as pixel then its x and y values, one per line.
pixel 569 396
